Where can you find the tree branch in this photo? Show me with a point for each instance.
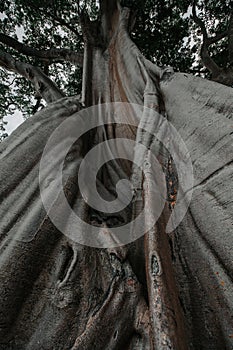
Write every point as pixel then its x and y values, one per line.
pixel 217 37
pixel 52 54
pixel 230 39
pixel 108 10
pixel 205 56
pixel 54 16
pixel 44 86
pixel 64 23
pixel 198 21
pixel 37 105
pixel 107 6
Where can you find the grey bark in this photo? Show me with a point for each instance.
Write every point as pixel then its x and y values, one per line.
pixel 202 112
pixel 51 55
pixel 160 292
pixel 43 85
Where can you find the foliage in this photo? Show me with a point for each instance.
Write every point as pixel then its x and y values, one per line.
pixel 215 15
pixel 160 32
pixel 164 32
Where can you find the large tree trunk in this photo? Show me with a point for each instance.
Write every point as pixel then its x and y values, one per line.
pixel 163 291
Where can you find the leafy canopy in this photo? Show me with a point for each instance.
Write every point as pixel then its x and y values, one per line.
pixel 164 32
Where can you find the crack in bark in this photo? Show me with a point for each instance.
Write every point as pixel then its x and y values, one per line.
pixel 104 306
pixel 210 177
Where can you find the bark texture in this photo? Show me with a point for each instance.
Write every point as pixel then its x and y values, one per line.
pixel 50 56
pixel 44 86
pixel 160 292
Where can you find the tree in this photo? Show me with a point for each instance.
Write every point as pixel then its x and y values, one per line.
pixel 219 23
pixel 155 292
pixel 163 32
pixel 58 26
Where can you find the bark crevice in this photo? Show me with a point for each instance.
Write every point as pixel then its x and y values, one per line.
pixel 139 296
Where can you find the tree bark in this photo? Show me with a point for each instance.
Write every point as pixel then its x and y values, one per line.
pixel 154 292
pixel 48 55
pixel 44 86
